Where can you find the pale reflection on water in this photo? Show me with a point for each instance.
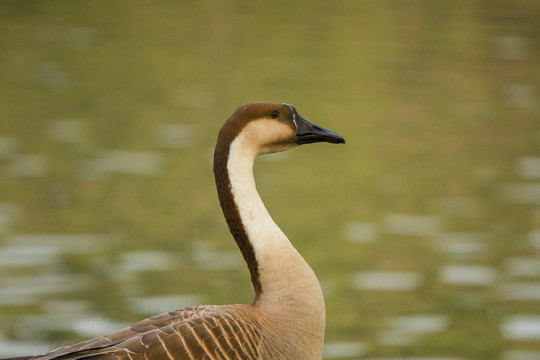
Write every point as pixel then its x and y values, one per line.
pixel 386 280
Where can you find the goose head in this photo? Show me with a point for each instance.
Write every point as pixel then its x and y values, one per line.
pixel 269 127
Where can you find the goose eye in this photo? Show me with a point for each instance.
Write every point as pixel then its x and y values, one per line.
pixel 274 114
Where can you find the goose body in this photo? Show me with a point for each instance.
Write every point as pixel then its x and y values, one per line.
pixel 286 318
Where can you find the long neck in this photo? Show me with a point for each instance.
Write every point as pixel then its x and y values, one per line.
pixel 276 268
pixel 286 289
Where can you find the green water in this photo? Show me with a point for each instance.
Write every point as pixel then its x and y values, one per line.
pixel 438 102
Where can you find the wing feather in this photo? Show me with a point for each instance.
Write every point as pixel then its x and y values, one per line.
pixel 198 333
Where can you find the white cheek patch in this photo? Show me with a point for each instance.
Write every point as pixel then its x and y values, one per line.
pixel 264 136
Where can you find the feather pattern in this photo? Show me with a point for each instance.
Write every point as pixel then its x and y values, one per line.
pixel 195 333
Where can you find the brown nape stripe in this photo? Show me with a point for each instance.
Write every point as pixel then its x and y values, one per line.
pixel 228 204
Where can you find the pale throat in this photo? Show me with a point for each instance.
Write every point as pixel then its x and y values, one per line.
pixel 263 232
pixel 284 275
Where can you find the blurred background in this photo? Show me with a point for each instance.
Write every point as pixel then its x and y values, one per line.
pixel 424 229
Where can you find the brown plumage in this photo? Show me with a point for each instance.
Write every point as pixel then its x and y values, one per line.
pixel 286 318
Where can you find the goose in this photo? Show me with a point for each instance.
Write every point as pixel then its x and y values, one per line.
pixel 286 318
